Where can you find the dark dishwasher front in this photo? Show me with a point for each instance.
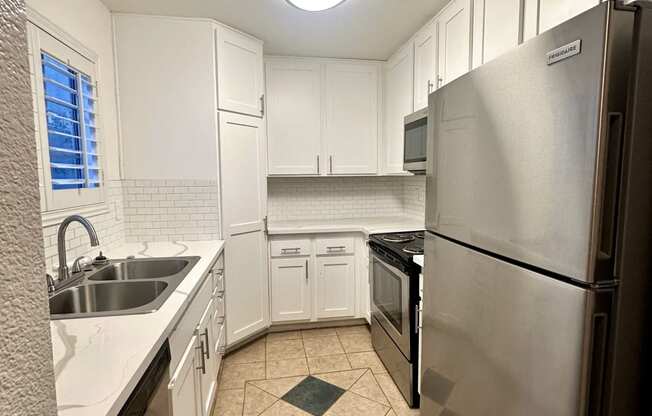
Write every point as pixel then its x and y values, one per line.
pixel 150 396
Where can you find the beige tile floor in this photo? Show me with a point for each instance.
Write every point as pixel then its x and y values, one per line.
pixel 255 377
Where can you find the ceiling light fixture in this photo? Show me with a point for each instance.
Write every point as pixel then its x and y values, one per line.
pixel 315 5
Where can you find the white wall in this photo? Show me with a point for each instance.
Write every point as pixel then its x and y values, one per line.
pixel 167 133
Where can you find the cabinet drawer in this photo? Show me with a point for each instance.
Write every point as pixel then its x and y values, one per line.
pixel 290 247
pixel 335 245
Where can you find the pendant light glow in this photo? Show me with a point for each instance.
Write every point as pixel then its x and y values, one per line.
pixel 315 5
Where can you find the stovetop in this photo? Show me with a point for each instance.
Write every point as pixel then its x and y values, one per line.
pixel 401 247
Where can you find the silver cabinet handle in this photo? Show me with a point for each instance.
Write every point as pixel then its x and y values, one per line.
pixel 307 271
pixel 262 105
pixel 330 161
pixel 318 167
pixel 335 247
pixel 430 86
pixel 291 250
pixel 202 367
pixel 440 81
pixel 208 350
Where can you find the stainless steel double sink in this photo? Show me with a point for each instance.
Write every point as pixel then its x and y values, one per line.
pixel 122 287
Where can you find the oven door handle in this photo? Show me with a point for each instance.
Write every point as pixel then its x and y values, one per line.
pixel 417 319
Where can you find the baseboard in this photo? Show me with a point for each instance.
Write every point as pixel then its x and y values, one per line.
pixel 292 327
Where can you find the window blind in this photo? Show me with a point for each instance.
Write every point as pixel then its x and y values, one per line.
pixel 70 102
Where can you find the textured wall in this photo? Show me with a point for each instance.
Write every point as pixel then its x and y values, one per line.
pixel 26 373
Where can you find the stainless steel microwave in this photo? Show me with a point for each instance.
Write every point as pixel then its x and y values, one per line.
pixel 415 141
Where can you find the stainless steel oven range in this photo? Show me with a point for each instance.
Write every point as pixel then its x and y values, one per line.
pixel 394 278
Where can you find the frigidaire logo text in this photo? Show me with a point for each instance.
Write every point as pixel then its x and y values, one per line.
pixel 564 52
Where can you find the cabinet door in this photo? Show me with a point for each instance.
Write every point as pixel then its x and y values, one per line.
pixel 239 73
pixel 185 385
pixel 208 373
pixel 351 125
pixel 425 65
pixel 244 208
pixel 454 52
pixel 555 12
pixel 398 103
pixel 291 289
pixel 293 117
pixel 496 28
pixel 335 287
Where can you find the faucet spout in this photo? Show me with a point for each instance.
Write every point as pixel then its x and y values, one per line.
pixel 64 273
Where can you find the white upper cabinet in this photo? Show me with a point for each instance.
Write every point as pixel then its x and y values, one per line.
pixel 454 40
pixel 239 73
pixel 293 116
pixel 555 12
pixel 351 119
pixel 496 28
pixel 398 103
pixel 425 65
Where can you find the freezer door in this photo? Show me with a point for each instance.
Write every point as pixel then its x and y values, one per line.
pixel 515 147
pixel 498 339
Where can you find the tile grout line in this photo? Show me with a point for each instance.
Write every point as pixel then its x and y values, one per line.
pixel 373 401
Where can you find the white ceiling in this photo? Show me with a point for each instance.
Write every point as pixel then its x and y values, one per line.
pixel 364 29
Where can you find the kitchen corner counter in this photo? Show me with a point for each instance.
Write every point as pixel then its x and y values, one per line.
pixel 367 226
pixel 98 361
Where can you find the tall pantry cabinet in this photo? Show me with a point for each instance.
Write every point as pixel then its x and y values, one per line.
pixel 192 107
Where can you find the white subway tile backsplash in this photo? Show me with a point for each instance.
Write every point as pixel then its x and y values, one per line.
pixel 347 197
pixel 167 210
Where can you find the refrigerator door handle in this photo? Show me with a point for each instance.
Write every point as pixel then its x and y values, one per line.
pixel 599 336
pixel 614 156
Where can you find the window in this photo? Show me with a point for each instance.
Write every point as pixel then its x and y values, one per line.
pixel 68 132
pixel 72 139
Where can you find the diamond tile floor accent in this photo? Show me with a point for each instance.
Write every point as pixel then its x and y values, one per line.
pixel 313 396
pixel 329 372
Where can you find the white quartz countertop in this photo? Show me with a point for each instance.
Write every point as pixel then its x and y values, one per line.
pixel 367 226
pixel 98 361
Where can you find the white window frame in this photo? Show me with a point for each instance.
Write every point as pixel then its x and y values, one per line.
pixel 44 36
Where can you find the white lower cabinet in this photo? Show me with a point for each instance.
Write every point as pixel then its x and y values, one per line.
pixel 208 363
pixel 317 278
pixel 335 287
pixel 185 390
pixel 193 384
pixel 291 289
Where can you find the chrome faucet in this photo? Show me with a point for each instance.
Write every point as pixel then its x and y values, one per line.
pixel 64 273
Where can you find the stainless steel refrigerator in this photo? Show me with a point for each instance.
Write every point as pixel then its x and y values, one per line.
pixel 539 219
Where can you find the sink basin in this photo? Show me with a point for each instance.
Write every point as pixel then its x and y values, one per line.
pixel 122 287
pixel 106 297
pixel 140 269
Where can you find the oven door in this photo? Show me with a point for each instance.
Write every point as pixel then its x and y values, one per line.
pixel 390 302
